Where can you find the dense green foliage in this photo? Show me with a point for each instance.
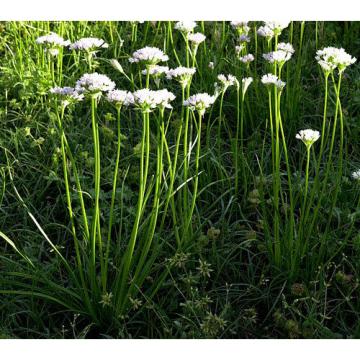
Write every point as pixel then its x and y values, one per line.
pixel 214 228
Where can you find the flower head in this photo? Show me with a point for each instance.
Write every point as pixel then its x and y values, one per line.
pixel 148 55
pixel 146 100
pixel 200 102
pixel 244 38
pixel 308 136
pixel 276 26
pixel 156 70
pixel 278 56
pixel 89 44
pixel 271 79
pixel 196 38
pixel 240 26
pixel 163 98
pixel 287 47
pixel 52 40
pixel 265 32
pixel 356 175
pixel 182 74
pixel 94 84
pixel 67 94
pixel 119 97
pixel 247 59
pixel 331 58
pixel 185 27
pixel 226 81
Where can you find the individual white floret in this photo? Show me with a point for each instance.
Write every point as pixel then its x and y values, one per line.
pixel 245 84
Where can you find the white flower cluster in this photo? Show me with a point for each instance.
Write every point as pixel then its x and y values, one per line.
pixel 356 175
pixel 196 38
pixel 271 79
pixel 148 55
pixel 200 102
pixel 89 44
pixel 265 32
pixel 241 26
pixel 52 40
pixel 244 38
pixel 119 97
pixel 278 56
pixel 156 70
pixel 181 74
pixel 246 59
pixel 331 58
pixel 245 84
pixel 287 47
pixel 67 94
pixel 276 26
pixel 226 81
pixel 308 136
pixel 94 84
pixel 185 27
pixel 147 100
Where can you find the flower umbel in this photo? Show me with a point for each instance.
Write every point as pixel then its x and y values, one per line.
pixel 89 44
pixel 331 58
pixel 181 74
pixel 185 27
pixel 119 97
pixel 149 56
pixel 94 84
pixel 200 102
pixel 308 136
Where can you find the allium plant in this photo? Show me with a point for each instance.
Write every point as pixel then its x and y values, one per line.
pixel 53 44
pixel 329 59
pixel 198 103
pixel 241 92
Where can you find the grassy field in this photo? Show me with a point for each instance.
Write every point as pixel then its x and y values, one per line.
pixel 179 180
